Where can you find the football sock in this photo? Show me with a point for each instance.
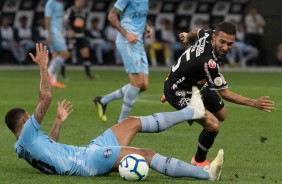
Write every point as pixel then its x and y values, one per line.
pixel 176 168
pixel 128 100
pixel 87 65
pixel 206 140
pixel 63 71
pixel 58 62
pixel 114 95
pixel 161 121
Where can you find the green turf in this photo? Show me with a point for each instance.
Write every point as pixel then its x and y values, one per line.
pixel 248 160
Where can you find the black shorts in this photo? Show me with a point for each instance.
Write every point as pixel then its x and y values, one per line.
pixel 81 43
pixel 179 99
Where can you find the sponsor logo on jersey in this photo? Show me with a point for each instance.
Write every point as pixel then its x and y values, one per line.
pixel 108 153
pixel 218 81
pixel 212 64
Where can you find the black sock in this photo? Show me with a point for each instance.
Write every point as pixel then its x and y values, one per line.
pixel 206 140
pixel 63 71
pixel 87 65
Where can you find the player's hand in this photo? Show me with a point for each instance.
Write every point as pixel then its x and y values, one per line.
pixel 148 31
pixel 64 110
pixel 41 58
pixel 131 38
pixel 183 37
pixel 264 104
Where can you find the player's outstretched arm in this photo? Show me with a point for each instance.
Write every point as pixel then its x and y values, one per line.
pixel 185 37
pixel 63 111
pixel 263 103
pixel 45 95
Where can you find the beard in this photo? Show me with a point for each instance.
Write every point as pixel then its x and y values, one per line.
pixel 220 53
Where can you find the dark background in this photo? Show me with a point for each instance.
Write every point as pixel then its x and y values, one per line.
pixel 184 13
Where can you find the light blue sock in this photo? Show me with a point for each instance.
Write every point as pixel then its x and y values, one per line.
pixel 58 62
pixel 176 168
pixel 51 67
pixel 117 94
pixel 161 121
pixel 128 100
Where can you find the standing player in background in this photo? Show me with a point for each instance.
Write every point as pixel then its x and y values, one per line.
pixel 54 16
pixel 132 28
pixel 75 21
pixel 199 66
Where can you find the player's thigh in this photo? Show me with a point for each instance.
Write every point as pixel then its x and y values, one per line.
pixel 59 43
pixel 146 153
pixel 82 45
pixel 214 104
pixel 131 126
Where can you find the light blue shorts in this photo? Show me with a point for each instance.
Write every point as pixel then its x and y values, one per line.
pixel 134 57
pixel 103 153
pixel 58 43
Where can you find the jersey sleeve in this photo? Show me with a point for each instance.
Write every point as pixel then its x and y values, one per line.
pixel 48 9
pixel 203 33
pixel 30 129
pixel 214 78
pixel 121 4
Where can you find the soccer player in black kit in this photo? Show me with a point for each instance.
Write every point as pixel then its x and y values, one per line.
pixel 76 19
pixel 199 66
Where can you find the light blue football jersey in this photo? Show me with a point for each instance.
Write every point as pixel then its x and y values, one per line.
pixel 55 10
pixel 51 157
pixel 133 17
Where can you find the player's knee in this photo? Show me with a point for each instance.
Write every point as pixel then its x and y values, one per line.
pixel 148 153
pixel 65 55
pixel 221 118
pixel 212 124
pixel 134 123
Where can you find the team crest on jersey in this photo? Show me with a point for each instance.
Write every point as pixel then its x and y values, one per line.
pixel 108 153
pixel 212 64
pixel 218 81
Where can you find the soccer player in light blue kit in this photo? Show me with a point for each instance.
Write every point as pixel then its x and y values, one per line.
pixel 54 14
pixel 132 28
pixel 104 153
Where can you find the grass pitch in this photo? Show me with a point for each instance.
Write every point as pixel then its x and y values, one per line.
pixel 251 138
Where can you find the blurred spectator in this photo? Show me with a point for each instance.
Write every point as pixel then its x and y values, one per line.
pixel 9 42
pixel 103 42
pixel 255 24
pixel 166 40
pixel 241 52
pixel 111 33
pixel 40 32
pixel 279 54
pixel 25 37
pixel 97 40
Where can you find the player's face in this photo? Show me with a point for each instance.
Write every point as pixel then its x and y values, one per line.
pixel 223 43
pixel 79 3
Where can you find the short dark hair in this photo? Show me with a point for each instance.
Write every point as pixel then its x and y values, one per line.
pixel 226 27
pixel 12 118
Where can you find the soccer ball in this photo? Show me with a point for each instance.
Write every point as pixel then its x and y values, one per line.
pixel 133 167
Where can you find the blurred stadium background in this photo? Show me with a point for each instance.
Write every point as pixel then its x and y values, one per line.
pixel 184 14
